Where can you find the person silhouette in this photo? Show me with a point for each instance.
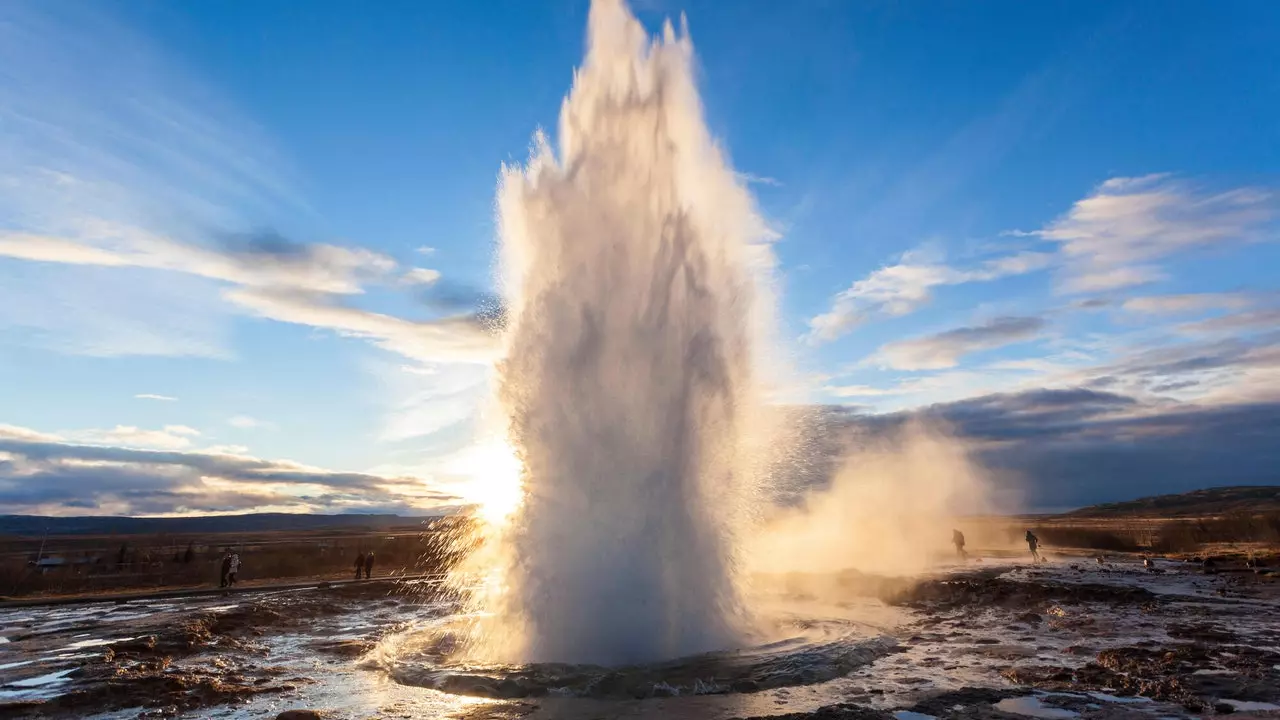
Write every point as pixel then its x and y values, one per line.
pixel 957 539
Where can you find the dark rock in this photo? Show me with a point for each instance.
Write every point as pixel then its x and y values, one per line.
pixel 300 715
pixel 941 705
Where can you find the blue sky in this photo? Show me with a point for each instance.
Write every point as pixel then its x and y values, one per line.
pixel 239 243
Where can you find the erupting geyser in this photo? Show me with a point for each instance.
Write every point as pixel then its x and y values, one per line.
pixel 636 273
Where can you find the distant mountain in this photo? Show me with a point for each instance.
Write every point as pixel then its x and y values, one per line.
pixel 260 522
pixel 1211 501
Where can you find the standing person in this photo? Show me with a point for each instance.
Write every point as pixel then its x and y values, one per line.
pixel 957 539
pixel 1033 542
pixel 226 570
pixel 368 565
pixel 235 568
pixel 359 565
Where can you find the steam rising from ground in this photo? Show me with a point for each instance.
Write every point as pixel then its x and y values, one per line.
pixel 889 509
pixel 632 271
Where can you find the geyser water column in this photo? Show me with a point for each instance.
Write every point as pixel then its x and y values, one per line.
pixel 635 272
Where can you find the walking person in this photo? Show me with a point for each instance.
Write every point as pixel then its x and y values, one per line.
pixel 235 568
pixel 957 539
pixel 368 565
pixel 359 565
pixel 225 578
pixel 1033 542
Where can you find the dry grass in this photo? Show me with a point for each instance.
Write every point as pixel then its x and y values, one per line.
pixel 1191 535
pixel 140 562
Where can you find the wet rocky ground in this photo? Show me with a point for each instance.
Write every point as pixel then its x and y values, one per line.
pixel 1067 639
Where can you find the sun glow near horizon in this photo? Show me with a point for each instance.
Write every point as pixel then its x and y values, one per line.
pixel 495 485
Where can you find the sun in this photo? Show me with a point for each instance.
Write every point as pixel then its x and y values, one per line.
pixel 494 483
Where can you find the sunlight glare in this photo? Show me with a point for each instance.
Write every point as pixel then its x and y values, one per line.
pixel 494 486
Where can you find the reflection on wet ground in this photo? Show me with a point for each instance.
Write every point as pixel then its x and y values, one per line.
pixel 1062 640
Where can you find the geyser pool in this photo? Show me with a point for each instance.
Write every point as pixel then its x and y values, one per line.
pixel 635 272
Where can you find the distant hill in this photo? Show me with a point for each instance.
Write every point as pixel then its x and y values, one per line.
pixel 261 522
pixel 1212 501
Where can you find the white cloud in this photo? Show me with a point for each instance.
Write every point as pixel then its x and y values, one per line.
pixel 421 276
pixel 1114 237
pixel 14 432
pixel 906 286
pixel 245 422
pixel 152 396
pixel 171 437
pixel 944 350
pixel 425 250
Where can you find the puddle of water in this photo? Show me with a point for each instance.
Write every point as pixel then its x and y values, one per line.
pixel 20 663
pixel 1117 699
pixel 1245 706
pixel 1032 707
pixel 908 715
pixel 95 642
pixel 42 680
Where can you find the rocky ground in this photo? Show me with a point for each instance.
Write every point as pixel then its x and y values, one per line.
pixel 1071 638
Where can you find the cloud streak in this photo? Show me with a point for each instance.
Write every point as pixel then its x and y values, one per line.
pixel 944 350
pixel 902 288
pixel 47 474
pixel 1187 303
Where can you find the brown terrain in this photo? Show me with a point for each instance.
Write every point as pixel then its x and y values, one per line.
pixel 1165 607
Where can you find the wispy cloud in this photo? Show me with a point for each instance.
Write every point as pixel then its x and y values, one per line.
pixel 1115 237
pixel 119 174
pixel 944 350
pixel 273 264
pixel 245 422
pixel 904 287
pixel 151 396
pixel 752 179
pixel 1187 303
pixel 1260 320
pixel 456 338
